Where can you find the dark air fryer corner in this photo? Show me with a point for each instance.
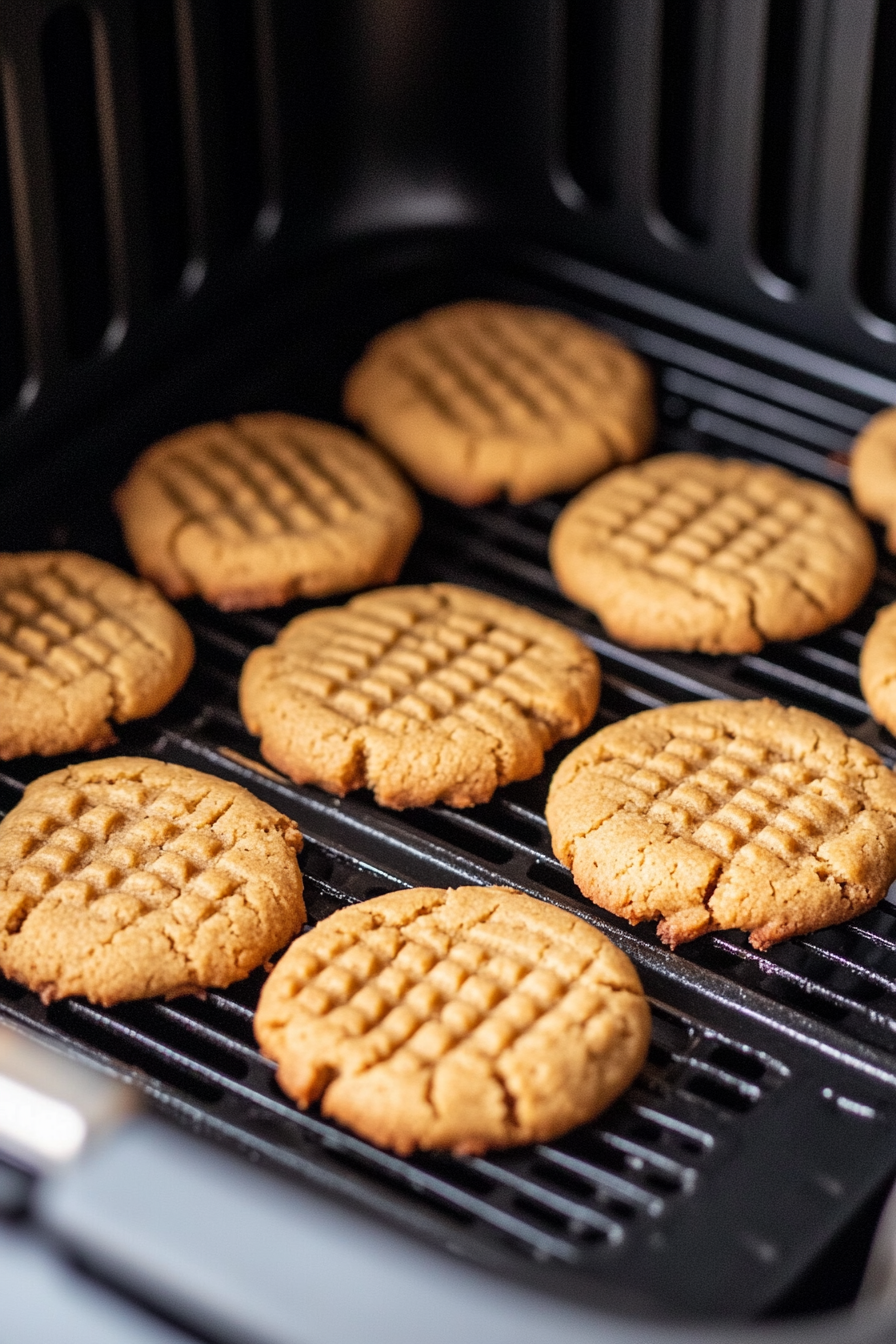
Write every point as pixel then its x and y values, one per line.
pixel 210 207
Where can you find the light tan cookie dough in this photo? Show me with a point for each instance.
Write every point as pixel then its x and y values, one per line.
pixel 877 667
pixel 419 693
pixel 263 508
pixel 82 646
pixel 467 1019
pixel 688 552
pixel 726 814
pixel 872 472
pixel 124 878
pixel 479 398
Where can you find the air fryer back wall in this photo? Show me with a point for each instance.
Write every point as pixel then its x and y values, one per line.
pixel 161 162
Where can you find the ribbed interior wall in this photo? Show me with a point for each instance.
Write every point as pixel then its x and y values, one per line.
pixel 740 152
pixel 745 148
pixel 139 154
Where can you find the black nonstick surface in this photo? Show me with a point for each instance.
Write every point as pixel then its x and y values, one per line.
pixel 758 1139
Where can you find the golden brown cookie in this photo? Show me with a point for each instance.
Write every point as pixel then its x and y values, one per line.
pixel 479 398
pixel 692 553
pixel 82 645
pixel 877 667
pixel 872 472
pixel 420 694
pixel 688 552
pixel 266 507
pixel 468 1019
pixel 726 814
pixel 123 878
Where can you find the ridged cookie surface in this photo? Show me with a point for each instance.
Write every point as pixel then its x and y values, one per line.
pixel 82 645
pixel 726 814
pixel 263 508
pixel 468 1019
pixel 479 398
pixel 124 878
pixel 689 552
pixel 419 693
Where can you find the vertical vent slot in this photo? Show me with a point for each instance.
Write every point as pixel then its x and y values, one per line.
pixel 877 242
pixel 12 352
pixel 590 84
pixel 241 119
pixel 219 55
pixel 688 93
pixel 794 82
pixel 163 153
pixel 70 94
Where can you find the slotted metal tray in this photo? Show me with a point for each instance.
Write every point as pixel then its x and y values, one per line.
pixel 764 1122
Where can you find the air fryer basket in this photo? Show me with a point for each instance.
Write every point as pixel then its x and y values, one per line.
pixel 211 208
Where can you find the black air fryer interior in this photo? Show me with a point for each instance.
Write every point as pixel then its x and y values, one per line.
pixel 210 207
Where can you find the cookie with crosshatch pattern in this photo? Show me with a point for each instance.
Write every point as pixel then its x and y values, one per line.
pixel 726 814
pixel 82 646
pixel 690 552
pixel 468 1018
pixel 126 877
pixel 419 693
pixel 481 397
pixel 263 508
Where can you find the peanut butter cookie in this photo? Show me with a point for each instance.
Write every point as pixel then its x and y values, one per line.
pixel 726 814
pixel 479 398
pixel 688 552
pixel 420 694
pixel 877 667
pixel 872 472
pixel 123 878
pixel 467 1019
pixel 82 645
pixel 264 508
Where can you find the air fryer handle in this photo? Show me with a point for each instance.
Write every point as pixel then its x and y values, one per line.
pixel 243 1256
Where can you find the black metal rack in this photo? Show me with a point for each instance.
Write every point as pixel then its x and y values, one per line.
pixel 697 1164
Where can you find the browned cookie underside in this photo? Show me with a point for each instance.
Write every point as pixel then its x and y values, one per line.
pixel 81 643
pixel 419 693
pixel 125 878
pixel 465 1019
pixel 726 814
pixel 688 552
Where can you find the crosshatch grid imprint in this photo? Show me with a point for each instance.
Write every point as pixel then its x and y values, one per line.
pixel 416 988
pixel 243 486
pixel 404 676
pixel 56 631
pixel 726 795
pixel 674 528
pixel 145 845
pixel 485 372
